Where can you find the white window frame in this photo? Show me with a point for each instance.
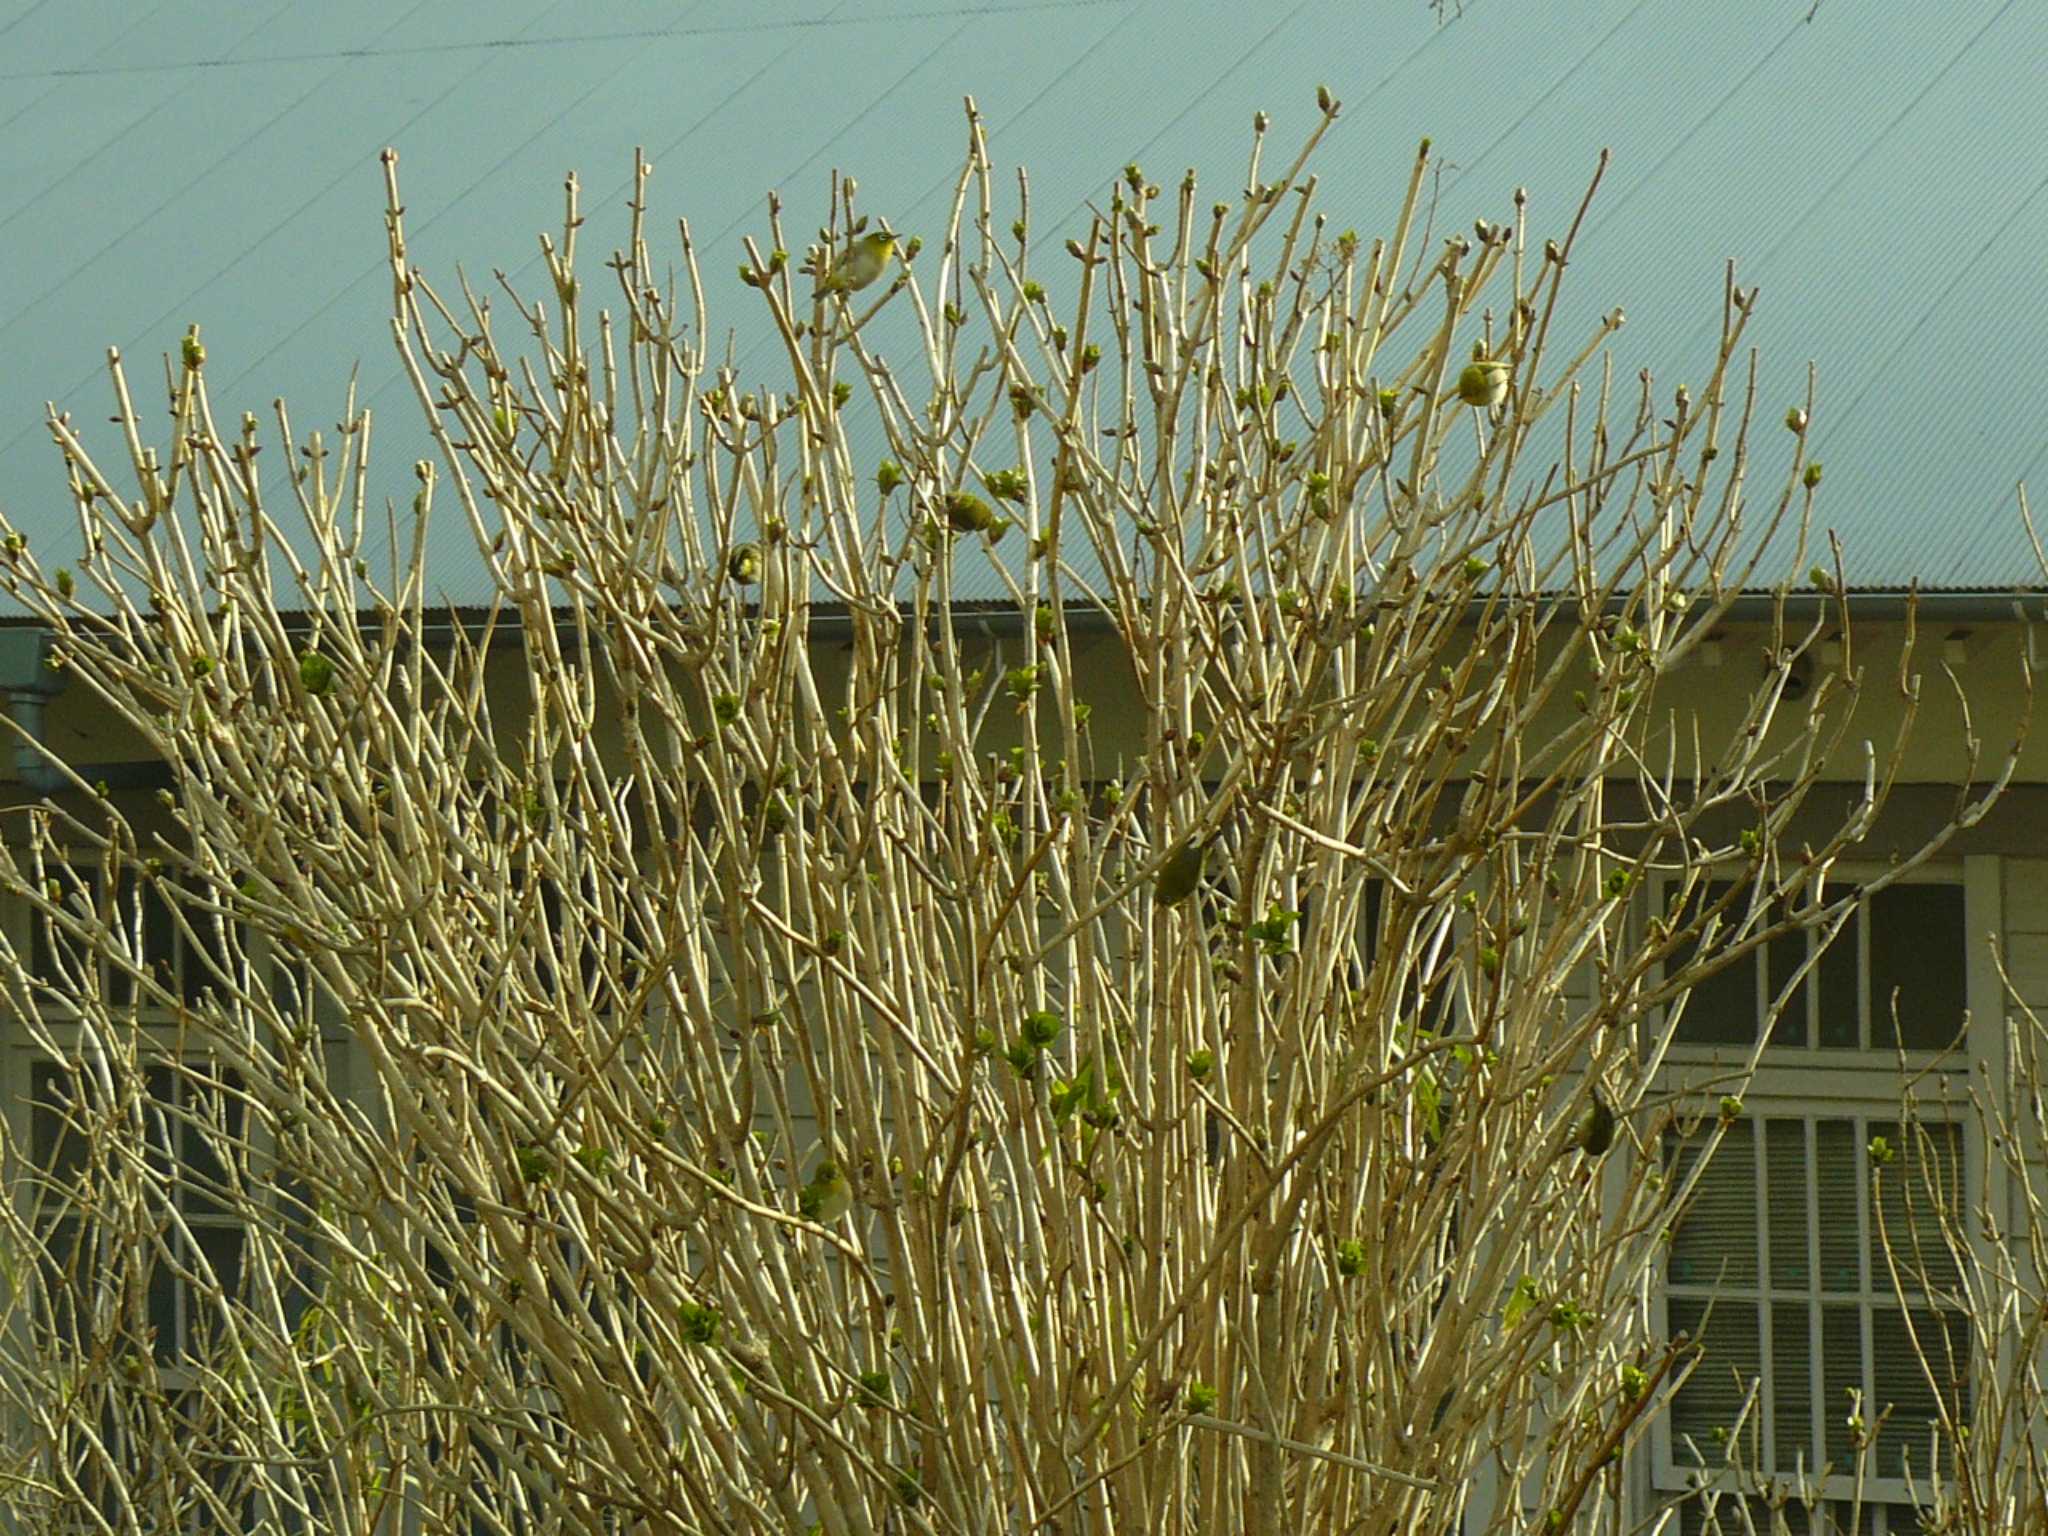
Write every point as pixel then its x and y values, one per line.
pixel 1862 1085
pixel 161 1027
pixel 1871 1298
pixel 1829 1061
pixel 172 1355
pixel 164 1041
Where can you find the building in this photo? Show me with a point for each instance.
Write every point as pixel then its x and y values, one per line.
pixel 1871 172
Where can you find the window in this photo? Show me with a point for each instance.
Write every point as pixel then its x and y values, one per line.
pixel 136 1144
pixel 1893 977
pixel 1780 1269
pixel 183 951
pixel 184 1115
pixel 589 938
pixel 1779 1265
pixel 187 1117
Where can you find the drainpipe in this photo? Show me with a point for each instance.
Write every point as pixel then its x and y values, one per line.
pixel 29 683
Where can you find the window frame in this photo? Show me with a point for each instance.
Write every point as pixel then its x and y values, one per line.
pixel 1812 1083
pixel 1787 1060
pixel 1763 1295
pixel 161 1031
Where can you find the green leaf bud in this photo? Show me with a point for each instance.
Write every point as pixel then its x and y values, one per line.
pixel 699 1323
pixel 1042 1027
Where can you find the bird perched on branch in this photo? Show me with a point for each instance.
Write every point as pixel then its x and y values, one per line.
pixel 864 261
pixel 968 513
pixel 828 1196
pixel 1484 381
pixel 1181 875
pixel 1594 1133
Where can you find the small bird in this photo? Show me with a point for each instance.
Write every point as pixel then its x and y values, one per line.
pixel 968 513
pixel 865 260
pixel 1483 381
pixel 1594 1133
pixel 743 565
pixel 828 1196
pixel 1181 874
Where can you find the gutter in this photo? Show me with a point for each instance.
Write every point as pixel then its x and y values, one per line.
pixel 1003 618
pixel 1985 607
pixel 29 683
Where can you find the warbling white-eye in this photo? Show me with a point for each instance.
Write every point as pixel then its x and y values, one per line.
pixel 828 1196
pixel 1181 874
pixel 1594 1133
pixel 968 513
pixel 1483 382
pixel 863 261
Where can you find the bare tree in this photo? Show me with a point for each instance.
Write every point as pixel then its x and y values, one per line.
pixel 751 1031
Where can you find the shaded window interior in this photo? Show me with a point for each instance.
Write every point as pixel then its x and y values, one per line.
pixel 1894 976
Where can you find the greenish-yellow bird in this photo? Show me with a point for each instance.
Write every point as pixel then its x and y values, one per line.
pixel 1594 1133
pixel 1181 875
pixel 743 565
pixel 1483 382
pixel 968 513
pixel 864 261
pixel 828 1196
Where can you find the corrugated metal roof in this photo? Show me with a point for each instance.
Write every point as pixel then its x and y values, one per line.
pixel 1876 170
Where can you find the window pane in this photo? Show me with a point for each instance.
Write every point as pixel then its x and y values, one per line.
pixel 1792 1386
pixel 221 1248
pixel 160 936
pixel 1714 1394
pixel 1903 1386
pixel 1918 954
pixel 1785 1195
pixel 1836 1165
pixel 47 943
pixel 1716 1240
pixel 213 1124
pixel 160 1085
pixel 1785 954
pixel 209 945
pixel 1721 1010
pixel 159 952
pixel 1841 1369
pixel 163 1311
pixel 56 1143
pixel 69 1272
pixel 1841 970
pixel 1912 1195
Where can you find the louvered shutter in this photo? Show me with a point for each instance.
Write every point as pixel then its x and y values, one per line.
pixel 1779 1263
